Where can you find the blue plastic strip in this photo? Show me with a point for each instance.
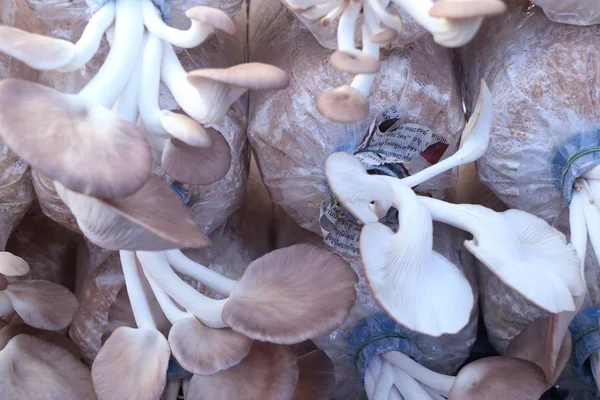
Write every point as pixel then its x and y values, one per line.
pixel 577 155
pixel 376 335
pixel 586 341
pixel 176 371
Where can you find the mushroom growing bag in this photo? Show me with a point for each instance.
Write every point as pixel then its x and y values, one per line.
pixel 575 12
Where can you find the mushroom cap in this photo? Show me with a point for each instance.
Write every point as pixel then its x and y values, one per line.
pixel 32 368
pixel 43 304
pixel 316 377
pixel 213 17
pixel 416 286
pixel 11 265
pixel 460 9
pixel 56 338
pixel 205 351
pixel 84 146
pixel 344 104
pixel 269 372
pixel 544 268
pixel 356 190
pixel 354 62
pixel 253 76
pixel 384 36
pixel 544 343
pixel 197 165
pixel 495 378
pixel 292 294
pixel 37 51
pixel 183 128
pixel 132 364
pixel 152 219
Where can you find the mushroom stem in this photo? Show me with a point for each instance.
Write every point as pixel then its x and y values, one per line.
pixel 204 275
pixel 577 224
pixel 385 382
pixel 387 19
pixel 148 96
pixel 135 290
pixel 207 310
pixel 594 361
pixel 438 382
pixel 109 81
pixel 194 36
pixel 89 42
pixel 347 26
pixel 127 104
pixel 363 82
pixel 172 389
pixel 170 309
pixel 409 387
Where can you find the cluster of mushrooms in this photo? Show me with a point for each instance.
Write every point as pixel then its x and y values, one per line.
pixel 252 339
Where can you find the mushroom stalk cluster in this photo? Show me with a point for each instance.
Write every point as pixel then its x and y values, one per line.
pixel 452 23
pixel 418 287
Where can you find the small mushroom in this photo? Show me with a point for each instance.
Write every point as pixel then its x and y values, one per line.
pixel 154 218
pixel 269 372
pixel 345 104
pixel 354 62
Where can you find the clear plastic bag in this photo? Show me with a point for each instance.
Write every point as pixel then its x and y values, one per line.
pixel 575 12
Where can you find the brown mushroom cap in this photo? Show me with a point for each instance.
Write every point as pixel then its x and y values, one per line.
pixel 254 76
pixel 459 9
pixel 213 17
pixel 86 147
pixel 494 378
pixel 344 104
pixel 58 339
pixel 292 294
pixel 43 304
pixel 354 62
pixel 152 219
pixel 205 351
pixel 32 368
pixel 132 364
pixel 269 372
pixel 37 51
pixel 316 378
pixel 11 265
pixel 197 165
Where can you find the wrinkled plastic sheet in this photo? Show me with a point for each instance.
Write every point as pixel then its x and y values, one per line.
pixel 575 12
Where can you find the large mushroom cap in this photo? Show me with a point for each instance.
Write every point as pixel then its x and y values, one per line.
pixel 213 17
pixel 269 372
pixel 152 219
pixel 205 351
pixel 494 378
pixel 316 378
pixel 292 294
pixel 197 165
pixel 10 331
pixel 344 104
pixel 31 368
pixel 460 9
pixel 37 51
pixel 86 147
pixel 132 364
pixel 254 76
pixel 43 304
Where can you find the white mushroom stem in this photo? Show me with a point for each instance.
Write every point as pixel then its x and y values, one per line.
pixel 385 382
pixel 335 13
pixel 89 42
pixel 194 36
pixel 204 275
pixel 387 19
pixel 409 387
pixel 6 306
pixel 172 389
pixel 439 382
pixel 363 82
pixel 303 4
pixel 127 104
pixel 395 394
pixel 167 305
pixel 347 25
pixel 135 290
pixel 579 236
pixel 433 394
pixel 157 268
pixel 320 10
pixel 106 86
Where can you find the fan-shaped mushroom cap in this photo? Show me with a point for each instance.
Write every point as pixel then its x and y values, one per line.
pixel 494 378
pixel 205 351
pixel 316 378
pixel 152 219
pixel 292 294
pixel 416 286
pixel 213 17
pixel 132 364
pixel 86 147
pixel 11 265
pixel 344 104
pixel 37 51
pixel 354 62
pixel 356 190
pixel 58 339
pixel 183 128
pixel 459 9
pixel 197 165
pixel 42 304
pixel 269 372
pixel 32 368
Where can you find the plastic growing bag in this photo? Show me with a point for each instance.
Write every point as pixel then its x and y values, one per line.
pixel 575 12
